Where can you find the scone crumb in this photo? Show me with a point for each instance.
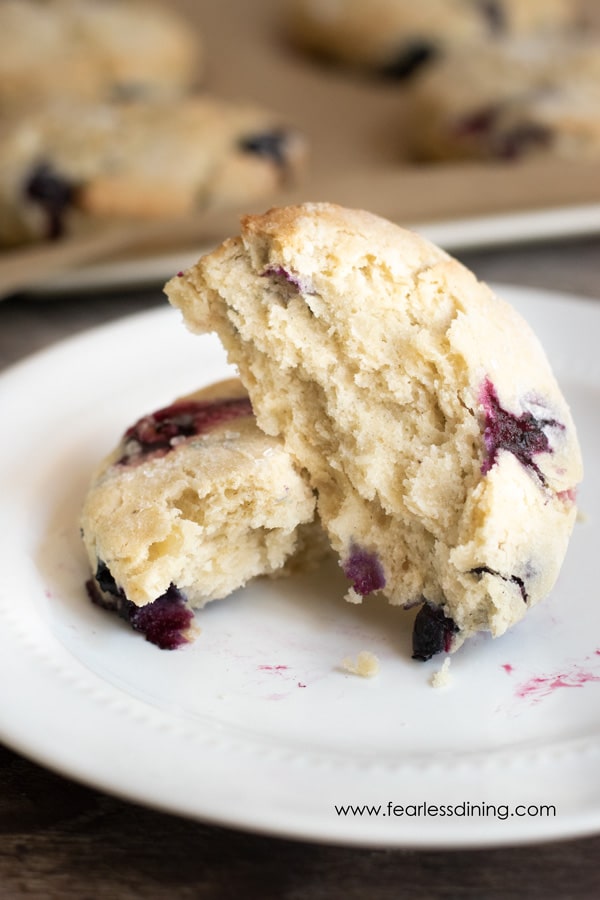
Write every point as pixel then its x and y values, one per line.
pixel 353 597
pixel 366 664
pixel 442 678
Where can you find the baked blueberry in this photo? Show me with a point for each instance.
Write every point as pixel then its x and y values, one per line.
pixel 364 570
pixel 163 622
pixel 409 60
pixel 53 193
pixel 105 580
pixel 433 632
pixel 268 144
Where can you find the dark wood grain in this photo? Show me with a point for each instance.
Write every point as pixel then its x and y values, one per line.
pixel 62 840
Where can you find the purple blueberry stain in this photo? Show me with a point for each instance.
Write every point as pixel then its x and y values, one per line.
pixel 53 193
pixel 523 435
pixel 295 282
pixel 433 632
pixel 568 496
pixel 364 570
pixel 484 125
pixel 478 123
pixel 285 275
pixel 162 622
pixel 521 139
pixel 155 435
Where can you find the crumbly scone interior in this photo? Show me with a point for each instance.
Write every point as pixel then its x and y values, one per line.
pixel 215 512
pixel 368 350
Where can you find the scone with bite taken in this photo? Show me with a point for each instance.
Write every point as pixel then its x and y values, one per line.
pixel 193 503
pixel 424 409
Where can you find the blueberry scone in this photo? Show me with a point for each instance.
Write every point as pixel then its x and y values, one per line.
pixel 193 503
pixel 399 37
pixel 443 454
pixel 67 166
pixel 517 99
pixel 93 49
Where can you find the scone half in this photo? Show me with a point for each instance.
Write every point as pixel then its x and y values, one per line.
pixel 423 407
pixel 193 503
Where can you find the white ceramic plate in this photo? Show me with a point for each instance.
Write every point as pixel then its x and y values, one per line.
pixel 453 235
pixel 257 725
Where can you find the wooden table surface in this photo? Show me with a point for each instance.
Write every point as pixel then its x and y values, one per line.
pixel 63 840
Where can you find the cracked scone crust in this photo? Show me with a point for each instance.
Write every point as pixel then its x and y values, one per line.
pixel 193 503
pixel 401 37
pixel 424 409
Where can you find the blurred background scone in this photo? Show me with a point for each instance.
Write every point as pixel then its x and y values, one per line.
pixel 65 164
pixel 101 118
pixel 510 100
pixel 94 49
pixel 399 37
